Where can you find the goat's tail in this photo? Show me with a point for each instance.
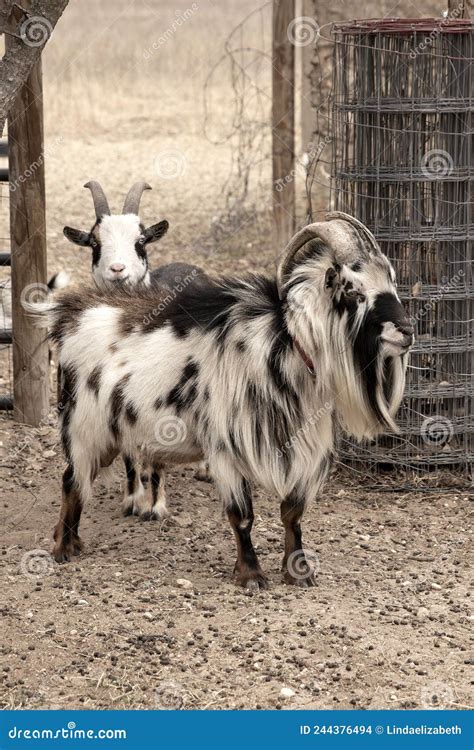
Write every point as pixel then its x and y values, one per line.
pixel 60 280
pixel 40 304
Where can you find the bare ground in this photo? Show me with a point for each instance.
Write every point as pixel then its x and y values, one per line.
pixel 148 616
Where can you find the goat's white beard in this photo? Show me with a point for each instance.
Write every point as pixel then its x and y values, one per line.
pixel 355 414
pixel 326 339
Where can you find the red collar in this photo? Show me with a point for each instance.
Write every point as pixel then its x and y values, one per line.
pixel 306 359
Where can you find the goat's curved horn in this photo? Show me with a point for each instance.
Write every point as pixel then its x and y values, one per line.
pixel 132 201
pixel 101 205
pixel 365 234
pixel 337 233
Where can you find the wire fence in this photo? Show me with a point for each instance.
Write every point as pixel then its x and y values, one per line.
pixel 402 110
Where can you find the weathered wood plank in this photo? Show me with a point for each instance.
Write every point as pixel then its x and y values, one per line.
pixel 28 249
pixel 283 123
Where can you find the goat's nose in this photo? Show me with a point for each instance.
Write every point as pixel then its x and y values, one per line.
pixel 117 267
pixel 406 327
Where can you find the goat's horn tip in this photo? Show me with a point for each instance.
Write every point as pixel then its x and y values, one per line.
pixel 334 215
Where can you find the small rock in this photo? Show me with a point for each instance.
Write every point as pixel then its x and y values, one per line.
pixel 422 613
pixel 184 583
pixel 286 692
pixel 148 615
pixel 435 585
pixel 84 602
pixel 49 454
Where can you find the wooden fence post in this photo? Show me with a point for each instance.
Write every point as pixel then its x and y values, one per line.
pixel 461 8
pixel 283 123
pixel 307 112
pixel 28 249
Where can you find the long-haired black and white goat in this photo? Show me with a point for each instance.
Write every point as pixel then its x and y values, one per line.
pixel 119 257
pixel 240 367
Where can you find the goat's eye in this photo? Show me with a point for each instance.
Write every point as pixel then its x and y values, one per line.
pixel 354 294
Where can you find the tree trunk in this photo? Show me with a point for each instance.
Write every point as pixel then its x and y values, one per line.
pixel 24 50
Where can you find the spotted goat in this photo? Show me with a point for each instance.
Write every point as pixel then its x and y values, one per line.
pixel 254 371
pixel 119 257
pixel 119 244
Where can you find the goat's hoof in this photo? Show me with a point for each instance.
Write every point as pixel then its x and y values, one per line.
pixel 62 554
pixel 252 582
pixel 147 515
pixel 203 475
pixel 303 582
pixel 76 545
pixel 154 515
pixel 128 511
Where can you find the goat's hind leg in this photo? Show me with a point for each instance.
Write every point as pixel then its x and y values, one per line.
pixel 66 532
pixel 135 492
pixel 203 473
pixel 247 570
pixel 137 501
pixel 159 509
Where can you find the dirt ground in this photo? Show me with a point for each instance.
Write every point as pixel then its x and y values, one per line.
pixel 148 616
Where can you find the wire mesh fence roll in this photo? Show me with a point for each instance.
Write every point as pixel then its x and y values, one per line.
pixel 402 112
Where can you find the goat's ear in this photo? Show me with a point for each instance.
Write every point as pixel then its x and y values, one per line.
pixel 156 232
pixel 77 236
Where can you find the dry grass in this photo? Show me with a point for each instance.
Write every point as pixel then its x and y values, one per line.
pixel 112 63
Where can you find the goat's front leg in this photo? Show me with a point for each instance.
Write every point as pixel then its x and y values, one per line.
pixel 295 566
pixel 247 571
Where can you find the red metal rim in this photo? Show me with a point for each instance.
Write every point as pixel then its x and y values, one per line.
pixel 405 26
